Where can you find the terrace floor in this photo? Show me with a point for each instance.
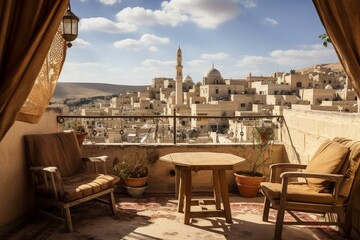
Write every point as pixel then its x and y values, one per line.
pixel 155 217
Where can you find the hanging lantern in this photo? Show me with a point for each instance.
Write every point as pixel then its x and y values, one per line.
pixel 69 28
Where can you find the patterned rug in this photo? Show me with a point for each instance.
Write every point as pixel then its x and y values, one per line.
pixel 143 212
pixel 150 208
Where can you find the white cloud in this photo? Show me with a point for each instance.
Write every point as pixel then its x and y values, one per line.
pixel 248 3
pixel 197 62
pixel 150 39
pixel 153 49
pixel 155 68
pixel 214 56
pixel 81 43
pixel 311 55
pixel 205 13
pixel 101 24
pixel 146 41
pixel 254 61
pixel 109 2
pixel 84 64
pixel 157 63
pixel 141 16
pixel 287 59
pixel 269 21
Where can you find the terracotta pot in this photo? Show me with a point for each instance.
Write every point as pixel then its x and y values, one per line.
pixel 136 182
pixel 80 136
pixel 248 186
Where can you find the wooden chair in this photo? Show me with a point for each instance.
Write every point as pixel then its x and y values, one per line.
pixel 330 186
pixel 58 174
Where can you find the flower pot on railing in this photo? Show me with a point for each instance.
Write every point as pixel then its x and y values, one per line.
pixel 80 136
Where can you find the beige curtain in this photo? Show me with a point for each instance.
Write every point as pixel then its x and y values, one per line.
pixel 45 83
pixel 341 20
pixel 27 30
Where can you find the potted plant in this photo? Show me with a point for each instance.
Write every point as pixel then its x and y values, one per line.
pixel 80 132
pixel 248 182
pixel 133 170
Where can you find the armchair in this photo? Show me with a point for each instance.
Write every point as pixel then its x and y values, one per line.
pixel 331 182
pixel 58 175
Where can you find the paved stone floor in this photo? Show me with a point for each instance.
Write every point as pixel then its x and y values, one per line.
pixel 155 217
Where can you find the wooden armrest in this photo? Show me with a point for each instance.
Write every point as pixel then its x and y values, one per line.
pixel 287 165
pixel 55 177
pixel 329 177
pixel 100 159
pixel 44 169
pixel 95 160
pixel 275 166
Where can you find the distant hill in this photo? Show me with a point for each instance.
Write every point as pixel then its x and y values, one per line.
pixel 84 90
pixel 335 67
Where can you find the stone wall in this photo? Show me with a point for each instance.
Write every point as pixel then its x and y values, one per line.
pixel 161 175
pixel 304 130
pixel 17 205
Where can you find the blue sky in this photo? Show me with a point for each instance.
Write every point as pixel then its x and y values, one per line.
pixel 130 42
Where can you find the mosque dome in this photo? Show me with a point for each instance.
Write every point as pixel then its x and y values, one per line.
pixel 212 73
pixel 328 87
pixel 187 79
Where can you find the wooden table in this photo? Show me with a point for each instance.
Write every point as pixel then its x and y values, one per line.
pixel 195 161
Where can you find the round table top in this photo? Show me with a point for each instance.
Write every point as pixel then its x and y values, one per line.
pixel 203 160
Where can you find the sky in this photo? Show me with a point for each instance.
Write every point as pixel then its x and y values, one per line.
pixel 130 42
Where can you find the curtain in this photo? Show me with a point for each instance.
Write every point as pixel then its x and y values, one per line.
pixel 27 30
pixel 341 20
pixel 45 82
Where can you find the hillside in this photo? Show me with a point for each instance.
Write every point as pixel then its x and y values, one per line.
pixel 335 67
pixel 83 90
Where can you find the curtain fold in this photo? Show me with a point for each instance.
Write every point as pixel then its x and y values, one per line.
pixel 27 30
pixel 341 20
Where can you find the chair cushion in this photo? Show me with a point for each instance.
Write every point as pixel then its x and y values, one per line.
pixel 55 149
pixel 329 158
pixel 351 166
pixel 82 185
pixel 296 192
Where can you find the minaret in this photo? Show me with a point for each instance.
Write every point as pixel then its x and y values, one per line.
pixel 250 81
pixel 179 78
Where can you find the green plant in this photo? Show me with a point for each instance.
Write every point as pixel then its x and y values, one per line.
pixel 77 126
pixel 325 38
pixel 135 164
pixel 262 147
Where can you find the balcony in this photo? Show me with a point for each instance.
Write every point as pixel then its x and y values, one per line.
pixel 300 134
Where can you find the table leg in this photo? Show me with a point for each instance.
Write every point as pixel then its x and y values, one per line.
pixel 187 177
pixel 225 195
pixel 217 189
pixel 181 192
pixel 177 181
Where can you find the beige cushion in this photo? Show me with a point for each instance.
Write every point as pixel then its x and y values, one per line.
pixel 329 158
pixel 297 192
pixel 82 185
pixel 351 166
